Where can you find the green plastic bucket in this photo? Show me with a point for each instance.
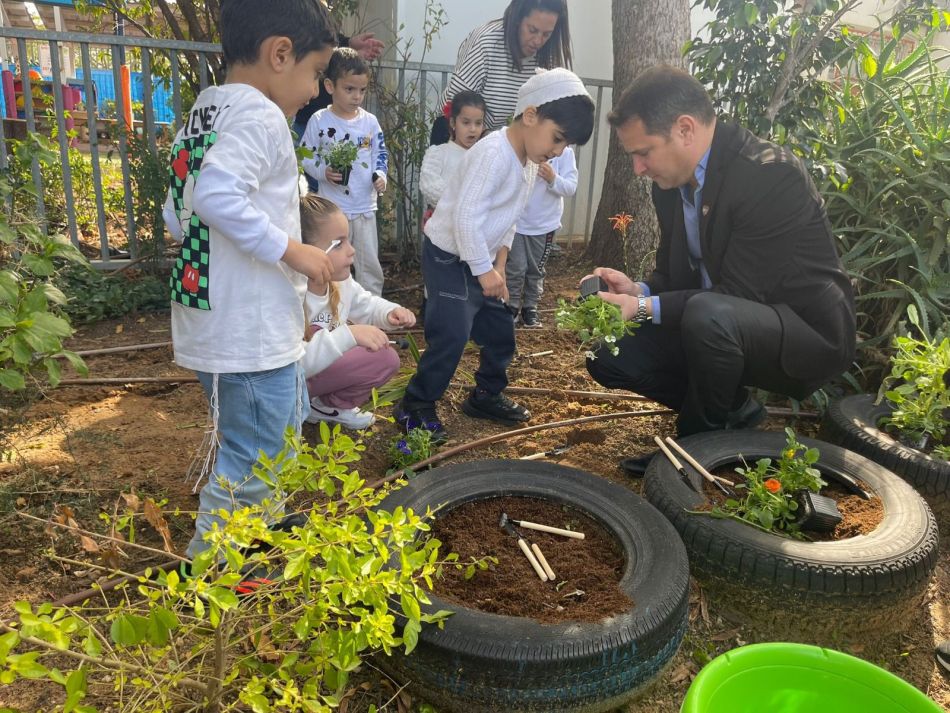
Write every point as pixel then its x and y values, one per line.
pixel 796 678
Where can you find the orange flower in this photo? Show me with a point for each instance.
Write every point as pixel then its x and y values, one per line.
pixel 621 222
pixel 772 485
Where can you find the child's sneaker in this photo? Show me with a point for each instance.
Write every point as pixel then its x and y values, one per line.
pixel 530 318
pixel 350 417
pixel 495 407
pixel 423 417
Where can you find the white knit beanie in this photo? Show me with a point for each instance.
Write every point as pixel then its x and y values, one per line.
pixel 547 85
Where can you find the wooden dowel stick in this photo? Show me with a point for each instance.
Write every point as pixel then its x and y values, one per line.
pixel 547 528
pixel 543 560
pixel 534 562
pixel 669 454
pixel 695 463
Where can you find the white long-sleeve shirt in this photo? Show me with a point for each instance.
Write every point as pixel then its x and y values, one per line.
pixel 325 128
pixel 332 336
pixel 234 205
pixel 476 215
pixel 439 166
pixel 542 213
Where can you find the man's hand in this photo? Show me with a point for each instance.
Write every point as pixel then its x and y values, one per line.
pixel 308 260
pixel 367 46
pixel 627 303
pixel 401 317
pixel 546 172
pixel 617 282
pixel 366 335
pixel 493 285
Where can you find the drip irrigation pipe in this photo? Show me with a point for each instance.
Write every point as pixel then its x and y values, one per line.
pixel 127 348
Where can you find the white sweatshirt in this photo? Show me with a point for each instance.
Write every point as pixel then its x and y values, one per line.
pixel 234 204
pixel 333 337
pixel 439 166
pixel 476 215
pixel 542 214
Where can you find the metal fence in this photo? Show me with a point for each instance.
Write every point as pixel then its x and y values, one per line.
pixel 113 235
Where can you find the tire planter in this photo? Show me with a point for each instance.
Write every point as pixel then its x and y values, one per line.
pixel 489 662
pixel 851 422
pixel 865 582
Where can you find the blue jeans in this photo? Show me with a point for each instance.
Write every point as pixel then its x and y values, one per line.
pixel 254 411
pixel 457 310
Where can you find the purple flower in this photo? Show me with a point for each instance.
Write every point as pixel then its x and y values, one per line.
pixel 404 448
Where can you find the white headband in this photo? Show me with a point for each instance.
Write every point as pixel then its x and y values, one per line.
pixel 548 85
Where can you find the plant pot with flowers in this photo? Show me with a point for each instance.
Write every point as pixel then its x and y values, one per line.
pixel 906 428
pixel 751 547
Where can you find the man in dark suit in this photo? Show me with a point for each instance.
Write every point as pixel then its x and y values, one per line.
pixel 748 290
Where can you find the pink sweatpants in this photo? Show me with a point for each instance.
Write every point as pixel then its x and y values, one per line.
pixel 349 381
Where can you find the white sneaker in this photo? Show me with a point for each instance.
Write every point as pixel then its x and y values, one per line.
pixel 350 417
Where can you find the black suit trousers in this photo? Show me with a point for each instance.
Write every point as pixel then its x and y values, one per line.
pixel 702 370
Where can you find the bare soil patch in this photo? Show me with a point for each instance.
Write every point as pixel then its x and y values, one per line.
pixel 587 571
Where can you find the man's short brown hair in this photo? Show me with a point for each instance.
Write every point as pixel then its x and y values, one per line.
pixel 658 97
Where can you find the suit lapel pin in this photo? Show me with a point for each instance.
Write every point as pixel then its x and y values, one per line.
pixel 705 210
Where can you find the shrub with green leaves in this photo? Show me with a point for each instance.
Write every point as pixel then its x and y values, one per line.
pixel 918 390
pixel 766 499
pixel 169 642
pixel 32 321
pixel 596 324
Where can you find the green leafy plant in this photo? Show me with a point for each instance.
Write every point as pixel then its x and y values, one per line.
pixel 93 296
pixel 406 451
pixel 339 155
pixel 918 389
pixel 595 322
pixel 171 641
pixel 32 322
pixel 768 493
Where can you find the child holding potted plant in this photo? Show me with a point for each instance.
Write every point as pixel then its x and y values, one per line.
pixel 350 159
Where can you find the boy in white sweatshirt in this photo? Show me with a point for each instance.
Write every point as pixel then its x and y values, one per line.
pixel 534 235
pixel 348 353
pixel 466 248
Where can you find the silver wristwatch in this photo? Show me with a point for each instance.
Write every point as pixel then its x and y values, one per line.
pixel 641 315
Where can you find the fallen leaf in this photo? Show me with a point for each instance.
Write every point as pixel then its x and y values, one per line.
pixel 141 320
pixel 132 501
pixel 88 544
pixel 680 673
pixel 155 518
pixel 111 556
pixel 26 573
pixel 119 329
pixel 403 702
pixel 21 502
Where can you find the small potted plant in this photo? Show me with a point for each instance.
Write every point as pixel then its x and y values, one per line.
pixel 595 322
pixel 340 156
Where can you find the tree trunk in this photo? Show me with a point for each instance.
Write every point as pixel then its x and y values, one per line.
pixel 645 33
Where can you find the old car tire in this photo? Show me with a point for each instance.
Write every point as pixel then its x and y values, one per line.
pixel 872 576
pixel 489 662
pixel 852 422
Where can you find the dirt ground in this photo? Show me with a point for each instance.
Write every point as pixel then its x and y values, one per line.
pixel 82 446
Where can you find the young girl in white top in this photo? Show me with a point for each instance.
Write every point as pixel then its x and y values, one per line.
pixel 348 354
pixel 440 162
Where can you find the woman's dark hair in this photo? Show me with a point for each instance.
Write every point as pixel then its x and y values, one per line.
pixel 464 99
pixel 345 60
pixel 245 24
pixel 573 115
pixel 556 52
pixel 658 97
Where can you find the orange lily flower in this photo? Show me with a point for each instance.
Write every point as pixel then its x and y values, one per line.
pixel 621 222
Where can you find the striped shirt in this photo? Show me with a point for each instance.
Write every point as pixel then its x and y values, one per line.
pixel 484 66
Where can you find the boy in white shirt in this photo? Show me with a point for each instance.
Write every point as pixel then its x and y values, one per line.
pixel 466 248
pixel 240 278
pixel 534 235
pixel 346 80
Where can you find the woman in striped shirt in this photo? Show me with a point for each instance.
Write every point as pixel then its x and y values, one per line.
pixel 500 56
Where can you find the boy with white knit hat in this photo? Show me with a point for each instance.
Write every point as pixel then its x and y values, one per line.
pixel 466 248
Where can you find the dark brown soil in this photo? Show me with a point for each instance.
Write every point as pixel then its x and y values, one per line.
pixel 858 516
pixel 587 571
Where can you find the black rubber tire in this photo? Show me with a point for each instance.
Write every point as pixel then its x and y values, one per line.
pixel 488 662
pixel 873 575
pixel 851 422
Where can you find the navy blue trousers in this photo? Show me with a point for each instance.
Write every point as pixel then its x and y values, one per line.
pixel 456 311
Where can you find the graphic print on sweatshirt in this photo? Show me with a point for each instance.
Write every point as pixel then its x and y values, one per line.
pixel 189 281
